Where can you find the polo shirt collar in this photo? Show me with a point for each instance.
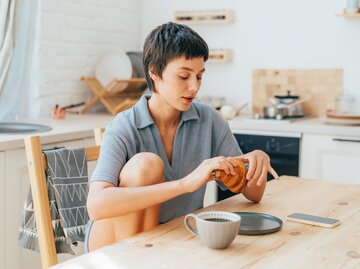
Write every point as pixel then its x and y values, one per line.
pixel 191 114
pixel 144 119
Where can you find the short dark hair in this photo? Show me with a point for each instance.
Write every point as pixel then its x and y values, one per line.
pixel 167 42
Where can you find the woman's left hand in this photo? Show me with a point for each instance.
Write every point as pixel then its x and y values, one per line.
pixel 259 166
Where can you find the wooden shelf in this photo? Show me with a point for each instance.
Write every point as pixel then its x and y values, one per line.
pixel 220 55
pixel 204 17
pixel 349 16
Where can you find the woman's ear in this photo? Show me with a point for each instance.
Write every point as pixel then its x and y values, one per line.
pixel 153 75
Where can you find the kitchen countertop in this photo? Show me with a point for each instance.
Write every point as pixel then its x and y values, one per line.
pixel 70 128
pixel 82 126
pixel 292 127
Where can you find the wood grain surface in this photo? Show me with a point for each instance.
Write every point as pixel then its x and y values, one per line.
pixel 296 245
pixel 319 86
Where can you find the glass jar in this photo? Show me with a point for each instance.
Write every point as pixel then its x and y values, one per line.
pixel 345 103
pixel 352 6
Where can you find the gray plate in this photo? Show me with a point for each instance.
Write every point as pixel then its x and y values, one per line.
pixel 253 223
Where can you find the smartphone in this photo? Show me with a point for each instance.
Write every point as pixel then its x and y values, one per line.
pixel 313 220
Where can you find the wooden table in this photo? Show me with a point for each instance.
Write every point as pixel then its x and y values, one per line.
pixel 295 246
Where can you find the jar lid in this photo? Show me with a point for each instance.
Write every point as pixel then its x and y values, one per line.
pixel 288 96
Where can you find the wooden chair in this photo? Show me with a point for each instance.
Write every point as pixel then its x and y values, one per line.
pixel 37 164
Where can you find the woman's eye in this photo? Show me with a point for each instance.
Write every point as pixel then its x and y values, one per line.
pixel 183 77
pixel 199 78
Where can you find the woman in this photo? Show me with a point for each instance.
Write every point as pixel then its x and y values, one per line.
pixel 157 157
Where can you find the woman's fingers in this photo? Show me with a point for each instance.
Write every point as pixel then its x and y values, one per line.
pixel 242 158
pixel 252 168
pixel 273 172
pixel 263 175
pixel 233 164
pixel 258 167
pixel 224 164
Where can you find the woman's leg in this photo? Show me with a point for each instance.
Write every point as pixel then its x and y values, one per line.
pixel 141 170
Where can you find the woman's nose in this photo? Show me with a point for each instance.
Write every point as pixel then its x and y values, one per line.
pixel 194 85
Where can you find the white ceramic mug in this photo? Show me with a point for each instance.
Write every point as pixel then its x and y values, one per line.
pixel 217 229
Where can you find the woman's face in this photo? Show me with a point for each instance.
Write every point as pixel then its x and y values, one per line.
pixel 180 82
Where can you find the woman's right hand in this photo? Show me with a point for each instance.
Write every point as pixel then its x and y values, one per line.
pixel 203 173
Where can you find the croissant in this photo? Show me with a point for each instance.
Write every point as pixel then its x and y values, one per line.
pixel 233 182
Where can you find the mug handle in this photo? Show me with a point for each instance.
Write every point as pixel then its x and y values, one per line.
pixel 188 225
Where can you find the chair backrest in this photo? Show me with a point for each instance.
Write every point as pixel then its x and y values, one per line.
pixel 37 164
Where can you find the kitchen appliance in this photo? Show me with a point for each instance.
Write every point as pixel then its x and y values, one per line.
pixel 284 106
pixel 283 151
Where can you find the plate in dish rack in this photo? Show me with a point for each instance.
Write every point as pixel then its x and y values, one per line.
pixel 113 64
pixel 340 121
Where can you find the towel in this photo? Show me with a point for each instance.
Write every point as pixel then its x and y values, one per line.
pixel 67 185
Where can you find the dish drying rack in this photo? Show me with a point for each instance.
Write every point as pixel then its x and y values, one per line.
pixel 117 95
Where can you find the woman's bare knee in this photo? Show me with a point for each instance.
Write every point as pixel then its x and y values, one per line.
pixel 142 169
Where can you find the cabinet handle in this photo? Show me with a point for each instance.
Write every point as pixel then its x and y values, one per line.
pixel 346 140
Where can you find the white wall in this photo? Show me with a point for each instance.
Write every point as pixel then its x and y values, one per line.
pixel 269 34
pixel 74 33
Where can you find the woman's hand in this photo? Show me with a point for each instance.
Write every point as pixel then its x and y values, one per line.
pixel 203 173
pixel 259 166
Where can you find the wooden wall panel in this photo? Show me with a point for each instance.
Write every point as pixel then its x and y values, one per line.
pixel 321 86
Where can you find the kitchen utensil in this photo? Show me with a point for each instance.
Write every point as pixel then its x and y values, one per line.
pixel 73 105
pixel 217 229
pixel 57 113
pixel 274 110
pixel 284 106
pixel 240 108
pixel 295 109
pixel 287 99
pixel 253 223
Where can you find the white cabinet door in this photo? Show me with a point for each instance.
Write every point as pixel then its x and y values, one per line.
pixel 2 210
pixel 330 158
pixel 17 185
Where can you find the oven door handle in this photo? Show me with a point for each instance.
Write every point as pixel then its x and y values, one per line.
pixel 346 140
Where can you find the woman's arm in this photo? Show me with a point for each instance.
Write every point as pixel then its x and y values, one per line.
pixel 107 201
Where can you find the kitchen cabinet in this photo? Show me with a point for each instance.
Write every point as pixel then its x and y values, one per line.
pixel 16 188
pixel 331 158
pixel 2 210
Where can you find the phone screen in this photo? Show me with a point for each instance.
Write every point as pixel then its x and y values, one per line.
pixel 313 218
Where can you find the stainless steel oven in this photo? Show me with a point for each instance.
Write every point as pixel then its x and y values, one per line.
pixel 283 149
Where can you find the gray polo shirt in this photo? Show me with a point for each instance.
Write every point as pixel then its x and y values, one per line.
pixel 201 134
